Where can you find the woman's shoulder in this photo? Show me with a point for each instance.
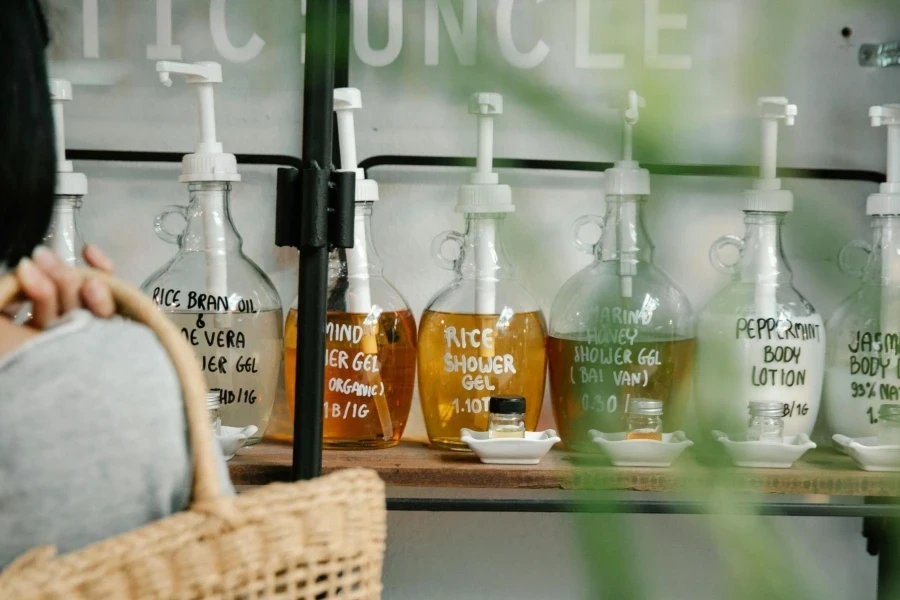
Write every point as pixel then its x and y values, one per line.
pixel 79 341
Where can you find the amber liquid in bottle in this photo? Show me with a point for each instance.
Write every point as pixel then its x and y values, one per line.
pixel 464 359
pixel 591 383
pixel 368 382
pixel 638 435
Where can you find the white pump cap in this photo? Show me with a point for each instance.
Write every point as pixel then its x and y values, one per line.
pixel 767 195
pixel 627 178
pixel 347 100
pixel 484 194
pixel 208 162
pixel 887 200
pixel 68 183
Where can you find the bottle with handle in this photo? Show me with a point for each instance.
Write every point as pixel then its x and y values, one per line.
pixel 620 329
pixel 863 333
pixel 483 334
pixel 223 303
pixel 758 338
pixel 370 348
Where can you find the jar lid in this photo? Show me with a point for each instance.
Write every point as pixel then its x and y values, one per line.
pixel 507 405
pixel 644 406
pixel 213 399
pixel 766 409
pixel 889 410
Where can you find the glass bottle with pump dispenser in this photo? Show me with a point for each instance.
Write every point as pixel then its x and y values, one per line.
pixel 620 328
pixel 483 334
pixel 64 234
pixel 224 304
pixel 863 360
pixel 758 339
pixel 370 347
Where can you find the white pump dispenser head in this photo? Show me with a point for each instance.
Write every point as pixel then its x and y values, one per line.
pixel 346 102
pixel 68 183
pixel 484 194
pixel 627 178
pixel 767 195
pixel 208 162
pixel 887 200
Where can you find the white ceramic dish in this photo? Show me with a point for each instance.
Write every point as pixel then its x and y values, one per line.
pixel 641 453
pixel 233 439
pixel 868 455
pixel 766 455
pixel 510 451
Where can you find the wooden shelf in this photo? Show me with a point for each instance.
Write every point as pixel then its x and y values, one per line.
pixel 821 471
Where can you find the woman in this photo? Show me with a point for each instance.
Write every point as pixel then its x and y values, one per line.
pixel 92 432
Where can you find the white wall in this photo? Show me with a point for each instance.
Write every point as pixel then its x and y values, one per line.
pixel 738 49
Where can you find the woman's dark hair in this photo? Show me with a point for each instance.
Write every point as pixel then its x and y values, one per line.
pixel 27 153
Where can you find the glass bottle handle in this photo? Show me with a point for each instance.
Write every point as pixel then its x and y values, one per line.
pixel 844 258
pixel 163 233
pixel 723 242
pixel 437 248
pixel 587 248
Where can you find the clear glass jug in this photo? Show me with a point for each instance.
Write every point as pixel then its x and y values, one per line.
pixel 619 329
pixel 370 349
pixel 481 335
pixel 862 369
pixel 224 304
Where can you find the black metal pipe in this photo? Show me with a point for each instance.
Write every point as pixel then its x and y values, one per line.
pixel 274 160
pixel 588 166
pixel 658 507
pixel 318 105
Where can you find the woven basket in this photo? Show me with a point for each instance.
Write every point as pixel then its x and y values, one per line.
pixel 302 541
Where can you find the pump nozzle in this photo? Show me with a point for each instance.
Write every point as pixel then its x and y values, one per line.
pixel 68 183
pixel 631 116
pixel 347 100
pixel 889 116
pixel 209 162
pixel 771 110
pixel 486 106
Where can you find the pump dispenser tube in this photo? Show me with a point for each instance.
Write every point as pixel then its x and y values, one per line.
pixel 63 236
pixel 359 297
pixel 212 197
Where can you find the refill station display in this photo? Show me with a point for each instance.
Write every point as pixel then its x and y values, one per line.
pixel 224 304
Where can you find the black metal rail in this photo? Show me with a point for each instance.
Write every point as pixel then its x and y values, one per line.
pixel 650 507
pixel 596 167
pixel 140 156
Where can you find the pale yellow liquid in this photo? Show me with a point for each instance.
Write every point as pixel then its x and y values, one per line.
pixel 241 356
pixel 447 404
pixel 357 419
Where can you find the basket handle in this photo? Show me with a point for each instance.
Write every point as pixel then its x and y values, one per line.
pixel 134 305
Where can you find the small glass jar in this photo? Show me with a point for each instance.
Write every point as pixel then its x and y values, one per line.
pixel 644 419
pixel 213 407
pixel 766 422
pixel 507 417
pixel 888 427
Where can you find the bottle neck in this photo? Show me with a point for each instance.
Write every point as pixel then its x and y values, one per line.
pixel 624 237
pixel 63 235
pixel 762 258
pixel 209 225
pixel 482 255
pixel 363 257
pixel 884 268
